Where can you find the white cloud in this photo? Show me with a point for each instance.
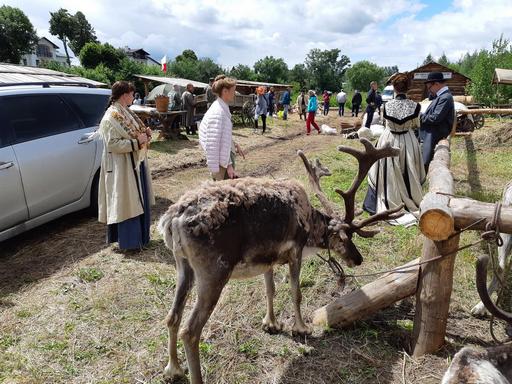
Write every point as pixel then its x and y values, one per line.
pixel 388 32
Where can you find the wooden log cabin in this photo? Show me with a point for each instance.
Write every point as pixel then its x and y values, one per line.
pixel 456 81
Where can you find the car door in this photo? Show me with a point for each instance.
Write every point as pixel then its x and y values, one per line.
pixel 13 208
pixel 54 151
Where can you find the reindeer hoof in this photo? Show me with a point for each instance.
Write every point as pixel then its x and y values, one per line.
pixel 172 373
pixel 271 327
pixel 479 311
pixel 301 330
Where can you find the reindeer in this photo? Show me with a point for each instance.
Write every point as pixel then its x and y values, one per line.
pixel 491 365
pixel 504 252
pixel 244 227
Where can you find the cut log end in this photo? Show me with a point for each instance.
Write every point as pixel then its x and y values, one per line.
pixel 437 224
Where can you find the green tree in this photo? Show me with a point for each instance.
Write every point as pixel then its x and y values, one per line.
pixel 94 54
pixel 208 68
pixel 428 59
pixel 362 73
pixel 299 74
pixel 326 68
pixel 481 87
pixel 187 54
pixel 17 34
pixel 184 68
pixel 83 33
pixel 443 60
pixel 271 69
pixel 63 25
pixel 388 71
pixel 242 72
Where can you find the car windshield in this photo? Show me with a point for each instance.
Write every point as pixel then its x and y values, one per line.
pixel 387 92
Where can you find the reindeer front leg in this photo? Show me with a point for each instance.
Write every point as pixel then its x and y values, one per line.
pixel 270 324
pixel 294 264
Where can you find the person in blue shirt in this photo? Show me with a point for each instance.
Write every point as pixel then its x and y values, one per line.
pixel 285 101
pixel 312 107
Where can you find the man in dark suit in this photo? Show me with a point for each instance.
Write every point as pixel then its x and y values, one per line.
pixel 437 121
pixel 371 103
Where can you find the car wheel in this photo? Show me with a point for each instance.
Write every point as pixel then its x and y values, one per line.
pixel 93 207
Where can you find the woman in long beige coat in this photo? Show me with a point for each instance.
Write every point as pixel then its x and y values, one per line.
pixel 125 191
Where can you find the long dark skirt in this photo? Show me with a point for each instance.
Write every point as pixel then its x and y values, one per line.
pixel 133 233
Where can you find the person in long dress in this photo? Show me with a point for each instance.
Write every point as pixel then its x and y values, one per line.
pixel 125 193
pixel 397 180
pixel 189 105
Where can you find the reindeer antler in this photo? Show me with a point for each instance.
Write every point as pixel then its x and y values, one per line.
pixel 315 172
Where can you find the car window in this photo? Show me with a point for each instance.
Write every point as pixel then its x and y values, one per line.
pixel 5 130
pixel 90 108
pixel 34 116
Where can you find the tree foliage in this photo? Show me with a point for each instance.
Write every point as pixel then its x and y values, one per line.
pixel 428 59
pixel 299 75
pixel 242 72
pixel 94 54
pixel 325 68
pixel 63 25
pixel 187 54
pixel 271 69
pixel 362 73
pixel 83 33
pixel 17 34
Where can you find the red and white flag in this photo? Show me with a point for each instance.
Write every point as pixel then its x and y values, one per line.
pixel 164 63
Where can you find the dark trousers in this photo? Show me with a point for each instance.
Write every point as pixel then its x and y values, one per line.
pixel 303 113
pixel 326 108
pixel 264 120
pixel 369 116
pixel 355 109
pixel 341 109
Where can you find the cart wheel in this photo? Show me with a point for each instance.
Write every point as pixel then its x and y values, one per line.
pixel 248 112
pixel 478 121
pixel 465 125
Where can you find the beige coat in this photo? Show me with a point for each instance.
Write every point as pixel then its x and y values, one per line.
pixel 119 198
pixel 299 103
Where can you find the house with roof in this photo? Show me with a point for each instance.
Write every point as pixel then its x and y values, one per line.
pixel 140 56
pixel 45 50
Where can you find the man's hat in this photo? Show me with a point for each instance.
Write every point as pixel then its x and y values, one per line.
pixel 435 77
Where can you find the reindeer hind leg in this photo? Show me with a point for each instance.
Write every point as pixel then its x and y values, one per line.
pixel 185 281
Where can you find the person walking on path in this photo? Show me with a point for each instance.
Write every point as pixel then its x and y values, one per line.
pixel 357 99
pixel 341 99
pixel 271 102
pixel 371 103
pixel 397 180
pixel 312 107
pixel 285 101
pixel 261 109
pixel 326 99
pixel 302 104
pixel 437 121
pixel 189 105
pixel 125 193
pixel 215 132
pixel 210 96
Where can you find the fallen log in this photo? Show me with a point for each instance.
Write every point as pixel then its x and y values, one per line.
pixel 371 298
pixel 485 111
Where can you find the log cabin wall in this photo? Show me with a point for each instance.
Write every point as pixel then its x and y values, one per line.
pixel 417 90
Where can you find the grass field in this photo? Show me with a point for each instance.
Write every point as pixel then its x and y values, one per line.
pixel 73 310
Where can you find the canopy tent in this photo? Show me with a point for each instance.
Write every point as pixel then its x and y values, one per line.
pixel 162 89
pixel 11 74
pixel 502 76
pixel 182 83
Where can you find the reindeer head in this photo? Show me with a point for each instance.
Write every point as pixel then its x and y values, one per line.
pixel 342 226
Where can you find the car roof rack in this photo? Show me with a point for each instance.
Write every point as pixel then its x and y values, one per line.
pixel 47 84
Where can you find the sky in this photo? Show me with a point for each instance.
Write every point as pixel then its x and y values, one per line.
pixel 386 32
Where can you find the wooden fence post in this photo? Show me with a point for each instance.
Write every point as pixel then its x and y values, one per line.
pixel 436 278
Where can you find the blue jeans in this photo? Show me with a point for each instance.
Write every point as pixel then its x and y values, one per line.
pixel 285 111
pixel 341 109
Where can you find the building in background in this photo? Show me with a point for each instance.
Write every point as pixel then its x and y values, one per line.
pixel 140 56
pixel 44 51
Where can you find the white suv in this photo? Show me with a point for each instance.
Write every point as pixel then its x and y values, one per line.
pixel 49 158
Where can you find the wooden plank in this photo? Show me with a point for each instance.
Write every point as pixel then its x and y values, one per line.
pixel 371 298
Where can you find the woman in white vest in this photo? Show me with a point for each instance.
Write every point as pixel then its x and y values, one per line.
pixel 125 193
pixel 215 131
